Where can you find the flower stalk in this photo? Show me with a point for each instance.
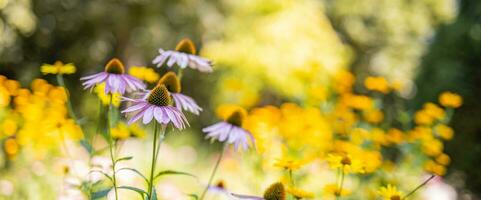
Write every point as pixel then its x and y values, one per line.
pixel 214 171
pixel 158 139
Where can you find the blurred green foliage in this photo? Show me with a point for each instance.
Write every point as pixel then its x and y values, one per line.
pixel 453 63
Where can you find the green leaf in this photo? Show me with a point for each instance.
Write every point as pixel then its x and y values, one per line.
pixel 135 171
pixel 154 194
pixel 194 196
pixel 171 172
pixel 100 194
pixel 124 159
pixel 138 190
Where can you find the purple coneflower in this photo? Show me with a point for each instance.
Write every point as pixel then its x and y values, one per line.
pixel 231 130
pixel 184 55
pixel 181 101
pixel 156 104
pixel 116 81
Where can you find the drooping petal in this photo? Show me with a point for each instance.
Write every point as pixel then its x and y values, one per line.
pixel 148 114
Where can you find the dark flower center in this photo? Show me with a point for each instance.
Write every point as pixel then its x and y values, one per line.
pixel 171 81
pixel 275 192
pixel 115 66
pixel 186 46
pixel 236 118
pixel 395 197
pixel 159 96
pixel 220 184
pixel 346 161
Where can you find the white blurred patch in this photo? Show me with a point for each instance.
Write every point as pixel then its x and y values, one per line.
pixel 439 190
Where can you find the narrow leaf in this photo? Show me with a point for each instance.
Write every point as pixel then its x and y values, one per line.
pixel 138 190
pixel 194 196
pixel 171 172
pixel 124 158
pixel 100 194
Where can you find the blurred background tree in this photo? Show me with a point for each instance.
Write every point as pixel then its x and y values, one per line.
pixel 453 62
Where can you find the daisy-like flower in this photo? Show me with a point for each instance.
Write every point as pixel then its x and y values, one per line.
pixel 231 130
pixel 115 79
pixel 390 193
pixel 184 56
pixel 156 104
pixel 182 102
pixel 58 68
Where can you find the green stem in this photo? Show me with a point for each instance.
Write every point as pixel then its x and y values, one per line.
pixel 112 156
pixel 419 186
pixel 291 178
pixel 339 192
pixel 213 172
pixel 155 152
pixel 69 103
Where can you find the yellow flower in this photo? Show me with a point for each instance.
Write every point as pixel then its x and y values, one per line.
pixel 343 81
pixel 299 193
pixel 104 98
pixel 58 68
pixel 288 164
pixel 395 136
pixel 390 193
pixel 443 159
pixel 64 128
pixel 136 131
pixel 432 147
pixel 332 190
pixel 4 97
pixel 345 162
pixel 144 73
pixel 444 131
pixel 378 83
pixel 11 147
pixel 433 167
pixel 9 127
pixel 374 116
pixel 450 99
pixel 360 102
pixel 120 132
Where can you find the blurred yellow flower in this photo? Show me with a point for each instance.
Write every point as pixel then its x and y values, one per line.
pixel 433 167
pixel 144 73
pixel 377 83
pixel 450 99
pixel 58 68
pixel 299 193
pixel 360 102
pixel 104 98
pixel 345 162
pixel 120 132
pixel 9 127
pixel 374 116
pixel 389 192
pixel 288 164
pixel 332 190
pixel 444 131
pixel 432 147
pixel 11 148
pixel 443 159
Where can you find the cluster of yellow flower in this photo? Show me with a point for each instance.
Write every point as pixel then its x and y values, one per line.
pixel 352 134
pixel 34 118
